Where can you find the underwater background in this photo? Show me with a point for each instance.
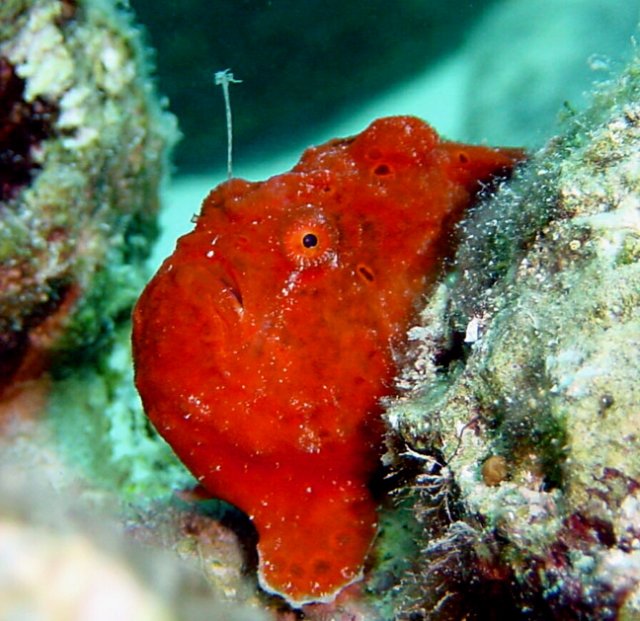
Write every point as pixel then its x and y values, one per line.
pixel 503 73
pixel 314 70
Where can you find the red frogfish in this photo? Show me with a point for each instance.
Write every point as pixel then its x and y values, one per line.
pixel 264 343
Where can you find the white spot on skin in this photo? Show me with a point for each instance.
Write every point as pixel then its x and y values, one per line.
pixel 309 441
pixel 346 573
pixel 291 283
pixel 198 404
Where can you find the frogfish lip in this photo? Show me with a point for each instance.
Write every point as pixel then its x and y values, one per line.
pixel 231 290
pixel 206 287
pixel 225 289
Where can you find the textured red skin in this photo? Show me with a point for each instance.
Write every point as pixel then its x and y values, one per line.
pixel 262 362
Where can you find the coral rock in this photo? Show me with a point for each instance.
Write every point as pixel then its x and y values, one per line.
pixel 83 142
pixel 547 298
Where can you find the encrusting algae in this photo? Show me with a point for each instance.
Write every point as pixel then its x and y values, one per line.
pixel 83 150
pixel 528 355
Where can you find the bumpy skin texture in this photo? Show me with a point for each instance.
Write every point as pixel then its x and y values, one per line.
pixel 264 343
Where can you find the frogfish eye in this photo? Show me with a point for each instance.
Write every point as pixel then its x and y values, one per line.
pixel 309 239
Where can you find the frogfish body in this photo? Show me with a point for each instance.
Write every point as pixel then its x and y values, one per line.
pixel 264 343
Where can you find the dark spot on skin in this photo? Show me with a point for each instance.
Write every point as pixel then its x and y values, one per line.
pixel 322 567
pixel 22 127
pixel 366 273
pixel 242 241
pixel 463 158
pixel 382 170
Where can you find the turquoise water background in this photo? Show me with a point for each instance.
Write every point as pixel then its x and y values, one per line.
pixel 502 72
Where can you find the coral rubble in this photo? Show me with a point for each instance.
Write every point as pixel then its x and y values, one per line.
pixel 522 405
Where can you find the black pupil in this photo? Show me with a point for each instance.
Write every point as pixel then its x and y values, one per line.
pixel 310 240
